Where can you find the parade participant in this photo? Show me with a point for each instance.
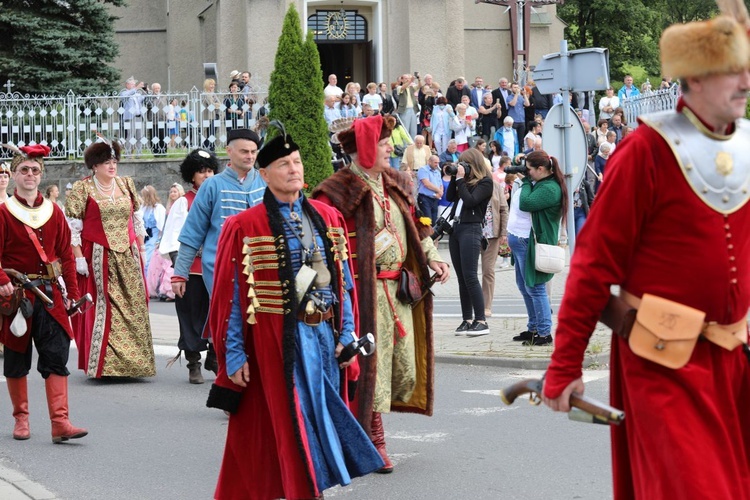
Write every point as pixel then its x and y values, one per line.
pixel 387 236
pixel 4 180
pixel 35 241
pixel 192 306
pixel 114 337
pixel 678 182
pixel 278 372
pixel 236 188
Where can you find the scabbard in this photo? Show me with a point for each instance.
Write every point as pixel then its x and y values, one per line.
pixel 619 316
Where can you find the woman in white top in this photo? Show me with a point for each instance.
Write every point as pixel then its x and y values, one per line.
pixel 4 181
pixel 461 126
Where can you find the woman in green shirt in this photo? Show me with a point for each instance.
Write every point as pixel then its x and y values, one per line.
pixel 545 197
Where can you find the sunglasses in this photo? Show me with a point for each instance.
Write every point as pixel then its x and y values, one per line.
pixel 34 170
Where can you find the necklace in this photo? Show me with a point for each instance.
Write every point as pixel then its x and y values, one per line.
pixel 108 191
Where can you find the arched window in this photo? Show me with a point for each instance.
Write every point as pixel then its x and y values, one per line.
pixel 338 26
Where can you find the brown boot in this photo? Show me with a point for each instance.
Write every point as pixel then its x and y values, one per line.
pixel 378 439
pixel 57 401
pixel 194 367
pixel 17 389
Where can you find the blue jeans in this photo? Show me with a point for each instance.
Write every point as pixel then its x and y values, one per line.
pixel 535 298
pixel 579 216
pixel 428 205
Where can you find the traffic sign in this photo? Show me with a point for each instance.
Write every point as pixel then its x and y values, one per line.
pixel 574 137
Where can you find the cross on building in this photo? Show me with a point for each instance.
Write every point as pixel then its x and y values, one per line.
pixel 520 20
pixel 9 85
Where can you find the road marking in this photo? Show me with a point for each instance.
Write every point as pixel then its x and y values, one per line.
pixel 2 379
pixel 430 437
pixel 480 412
pixel 488 393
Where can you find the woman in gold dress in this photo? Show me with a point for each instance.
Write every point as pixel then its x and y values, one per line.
pixel 114 336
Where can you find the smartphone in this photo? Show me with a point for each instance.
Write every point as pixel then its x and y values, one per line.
pixel 416 74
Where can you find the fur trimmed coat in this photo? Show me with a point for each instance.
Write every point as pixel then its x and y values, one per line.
pixel 351 195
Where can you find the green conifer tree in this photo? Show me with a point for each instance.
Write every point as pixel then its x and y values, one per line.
pixel 295 98
pixel 53 46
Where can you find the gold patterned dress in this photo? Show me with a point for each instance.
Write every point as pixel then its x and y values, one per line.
pixel 114 336
pixel 397 370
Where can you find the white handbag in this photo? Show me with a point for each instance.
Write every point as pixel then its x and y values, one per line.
pixel 548 258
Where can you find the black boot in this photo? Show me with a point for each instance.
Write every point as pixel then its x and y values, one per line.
pixel 194 366
pixel 211 363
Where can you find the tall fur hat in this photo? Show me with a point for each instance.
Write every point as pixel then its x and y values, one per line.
pixel 701 48
pixel 99 152
pixel 195 161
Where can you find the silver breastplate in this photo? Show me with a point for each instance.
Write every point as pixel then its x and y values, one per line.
pixel 715 166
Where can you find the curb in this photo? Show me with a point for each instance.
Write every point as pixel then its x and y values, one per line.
pixel 519 363
pixel 16 486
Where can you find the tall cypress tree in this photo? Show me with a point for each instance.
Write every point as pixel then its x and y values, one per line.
pixel 295 96
pixel 53 46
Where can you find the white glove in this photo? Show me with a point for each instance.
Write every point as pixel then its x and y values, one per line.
pixel 82 267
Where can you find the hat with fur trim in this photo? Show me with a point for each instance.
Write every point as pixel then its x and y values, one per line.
pixel 35 153
pixel 363 137
pixel 280 146
pixel 701 48
pixel 100 152
pixel 197 160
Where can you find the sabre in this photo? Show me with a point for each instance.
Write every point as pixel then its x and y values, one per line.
pixel 588 409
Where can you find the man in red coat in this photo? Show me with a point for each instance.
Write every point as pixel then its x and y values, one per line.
pixel 281 311
pixel 35 240
pixel 671 227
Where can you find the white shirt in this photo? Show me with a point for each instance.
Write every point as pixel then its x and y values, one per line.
pixel 373 100
pixel 608 101
pixel 332 90
pixel 519 222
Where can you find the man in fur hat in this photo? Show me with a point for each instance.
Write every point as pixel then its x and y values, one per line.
pixel 387 235
pixel 285 315
pixel 676 192
pixel 35 241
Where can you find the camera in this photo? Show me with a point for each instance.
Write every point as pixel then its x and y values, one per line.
pixel 441 228
pixel 452 168
pixel 521 168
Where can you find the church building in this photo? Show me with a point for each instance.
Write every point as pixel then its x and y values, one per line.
pixel 169 41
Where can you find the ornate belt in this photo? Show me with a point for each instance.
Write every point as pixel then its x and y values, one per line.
pixel 316 318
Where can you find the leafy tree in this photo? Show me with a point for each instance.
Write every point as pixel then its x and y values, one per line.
pixel 295 97
pixel 52 46
pixel 630 30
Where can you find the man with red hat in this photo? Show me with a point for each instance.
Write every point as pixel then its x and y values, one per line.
pixel 278 327
pixel 35 243
pixel 387 236
pixel 674 198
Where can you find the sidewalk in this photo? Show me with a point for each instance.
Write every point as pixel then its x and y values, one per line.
pixel 16 486
pixel 497 348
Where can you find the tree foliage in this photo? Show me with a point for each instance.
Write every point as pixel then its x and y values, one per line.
pixel 630 29
pixel 295 97
pixel 53 46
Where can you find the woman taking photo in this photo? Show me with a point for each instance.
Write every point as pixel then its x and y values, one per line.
pixel 114 336
pixel 544 197
pixel 470 189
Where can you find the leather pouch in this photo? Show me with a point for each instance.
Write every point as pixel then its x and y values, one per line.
pixel 665 332
pixel 10 304
pixel 409 289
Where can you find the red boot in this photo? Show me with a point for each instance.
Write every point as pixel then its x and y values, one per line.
pixel 17 389
pixel 378 439
pixel 57 400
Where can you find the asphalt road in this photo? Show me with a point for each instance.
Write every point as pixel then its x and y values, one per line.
pixel 154 439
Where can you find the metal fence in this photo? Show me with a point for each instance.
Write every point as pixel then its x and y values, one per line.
pixel 146 125
pixel 650 102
